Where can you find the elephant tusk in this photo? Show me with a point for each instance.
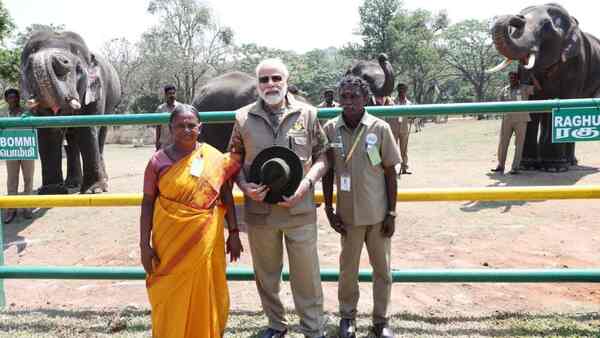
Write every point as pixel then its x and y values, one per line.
pixel 75 104
pixel 32 103
pixel 530 62
pixel 500 67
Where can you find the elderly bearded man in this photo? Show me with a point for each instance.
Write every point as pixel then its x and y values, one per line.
pixel 277 119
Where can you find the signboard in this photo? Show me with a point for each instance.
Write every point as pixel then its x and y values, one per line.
pixel 575 124
pixel 18 144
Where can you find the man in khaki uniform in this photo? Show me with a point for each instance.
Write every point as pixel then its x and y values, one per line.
pixel 27 167
pixel 403 132
pixel 513 123
pixel 277 119
pixel 328 102
pixel 163 135
pixel 361 157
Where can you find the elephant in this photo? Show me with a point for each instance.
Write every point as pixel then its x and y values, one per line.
pixel 227 92
pixel 61 77
pixel 379 75
pixel 560 60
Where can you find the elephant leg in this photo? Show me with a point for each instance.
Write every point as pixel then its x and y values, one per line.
pixel 553 155
pixel 530 158
pixel 571 153
pixel 101 139
pixel 90 154
pixel 50 149
pixel 73 160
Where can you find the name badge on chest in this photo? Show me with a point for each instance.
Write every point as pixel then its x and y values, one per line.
pixel 345 183
pixel 197 166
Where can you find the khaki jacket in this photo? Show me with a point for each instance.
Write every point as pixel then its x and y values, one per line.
pixel 298 130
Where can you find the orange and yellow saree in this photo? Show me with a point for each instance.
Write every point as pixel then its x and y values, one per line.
pixel 188 289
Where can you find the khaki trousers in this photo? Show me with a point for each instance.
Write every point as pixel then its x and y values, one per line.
pixel 403 144
pixel 378 248
pixel 12 169
pixel 266 246
pixel 506 131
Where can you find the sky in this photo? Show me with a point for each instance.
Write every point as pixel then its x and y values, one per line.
pixel 284 24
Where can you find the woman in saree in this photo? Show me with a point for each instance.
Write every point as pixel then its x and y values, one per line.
pixel 187 195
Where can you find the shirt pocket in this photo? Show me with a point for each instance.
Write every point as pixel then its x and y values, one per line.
pixel 301 145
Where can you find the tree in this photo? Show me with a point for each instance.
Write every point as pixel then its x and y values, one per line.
pixel 6 23
pixel 9 58
pixel 186 46
pixel 413 36
pixel 469 50
pixel 124 56
pixel 375 19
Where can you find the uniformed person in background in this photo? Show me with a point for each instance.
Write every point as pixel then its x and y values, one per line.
pixel 328 99
pixel 362 157
pixel 513 123
pixel 403 132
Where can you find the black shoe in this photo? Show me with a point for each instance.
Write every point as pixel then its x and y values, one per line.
pixel 382 331
pixel 347 328
pixel 272 333
pixel 514 172
pixel 498 170
pixel 404 171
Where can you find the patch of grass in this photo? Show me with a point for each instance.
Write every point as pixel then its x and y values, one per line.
pixel 132 322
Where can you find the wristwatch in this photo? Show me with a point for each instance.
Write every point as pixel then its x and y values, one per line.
pixel 391 213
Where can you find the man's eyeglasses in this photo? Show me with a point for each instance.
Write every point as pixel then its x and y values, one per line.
pixel 183 126
pixel 274 79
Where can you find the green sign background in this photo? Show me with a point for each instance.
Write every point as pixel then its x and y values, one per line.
pixel 575 124
pixel 18 144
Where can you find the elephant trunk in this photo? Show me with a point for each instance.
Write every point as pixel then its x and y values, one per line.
pixel 51 81
pixel 511 38
pixel 41 82
pixel 388 85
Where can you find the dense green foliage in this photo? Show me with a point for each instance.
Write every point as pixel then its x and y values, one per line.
pixel 440 61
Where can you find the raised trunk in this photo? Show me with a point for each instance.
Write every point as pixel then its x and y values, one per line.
pixel 510 37
pixel 42 84
pixel 388 85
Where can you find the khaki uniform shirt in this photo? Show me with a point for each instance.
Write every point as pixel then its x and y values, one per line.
pixel 404 119
pixel 165 133
pixel 299 130
pixel 520 93
pixel 366 202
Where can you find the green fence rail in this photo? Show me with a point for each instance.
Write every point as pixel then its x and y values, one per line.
pixel 244 274
pixel 412 110
pixel 327 275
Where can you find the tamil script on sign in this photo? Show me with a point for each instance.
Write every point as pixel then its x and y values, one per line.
pixel 18 144
pixel 575 124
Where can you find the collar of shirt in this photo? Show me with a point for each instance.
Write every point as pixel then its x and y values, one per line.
pixel 367 120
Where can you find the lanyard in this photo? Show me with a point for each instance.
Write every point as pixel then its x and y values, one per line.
pixel 354 144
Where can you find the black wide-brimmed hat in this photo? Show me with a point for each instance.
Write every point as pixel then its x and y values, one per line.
pixel 280 169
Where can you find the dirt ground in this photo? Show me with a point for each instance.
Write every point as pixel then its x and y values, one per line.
pixel 545 234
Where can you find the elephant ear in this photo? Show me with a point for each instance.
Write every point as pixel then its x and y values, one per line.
pixel 93 91
pixel 572 42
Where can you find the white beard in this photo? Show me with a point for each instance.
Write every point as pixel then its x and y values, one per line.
pixel 272 98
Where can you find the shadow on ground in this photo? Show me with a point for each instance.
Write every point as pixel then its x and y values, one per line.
pixel 528 179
